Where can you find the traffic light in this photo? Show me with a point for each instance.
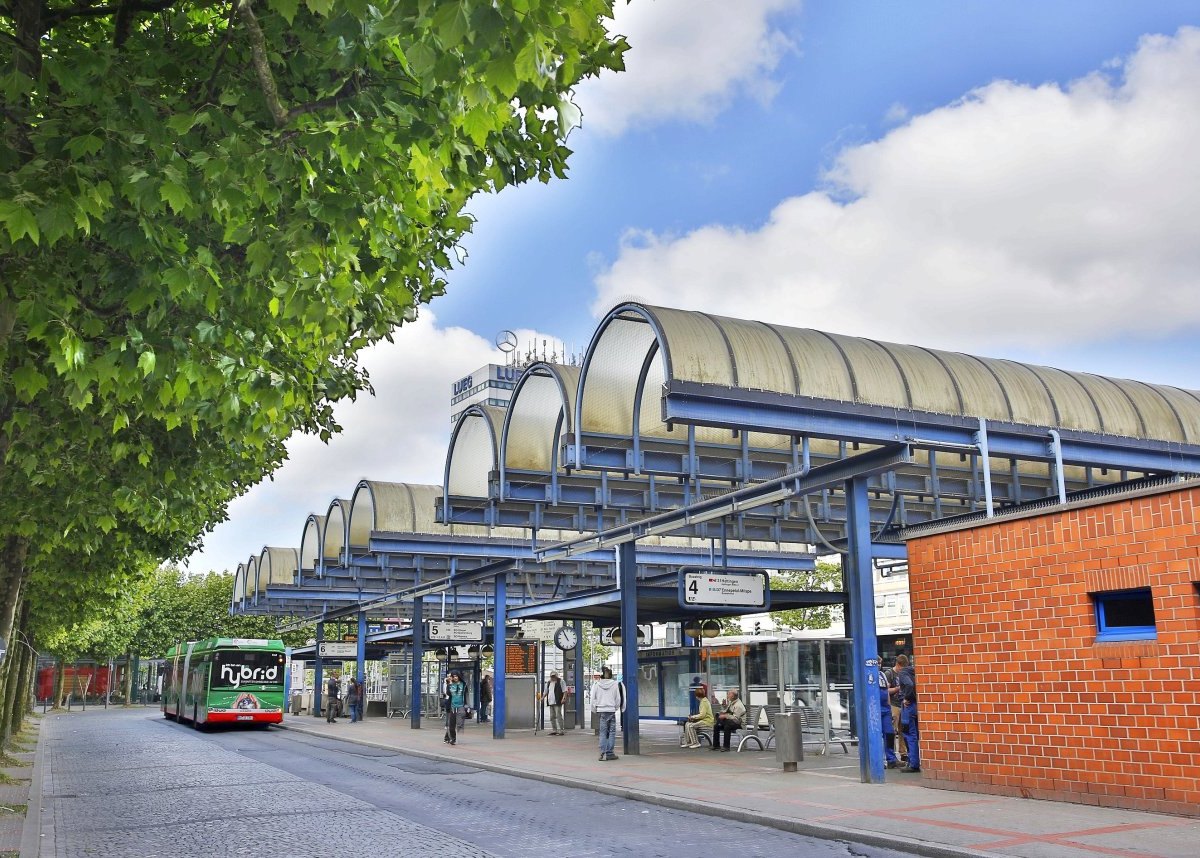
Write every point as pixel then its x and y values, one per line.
pixel 757 627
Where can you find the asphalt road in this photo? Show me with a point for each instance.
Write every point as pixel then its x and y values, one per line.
pixel 131 783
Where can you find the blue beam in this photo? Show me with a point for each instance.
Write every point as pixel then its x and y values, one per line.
pixel 318 673
pixel 570 603
pixel 889 551
pixel 798 484
pixel 577 625
pixel 712 405
pixel 863 647
pixel 418 655
pixel 499 657
pixel 627 578
pixel 362 655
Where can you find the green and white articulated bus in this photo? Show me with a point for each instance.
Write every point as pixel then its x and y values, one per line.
pixel 225 681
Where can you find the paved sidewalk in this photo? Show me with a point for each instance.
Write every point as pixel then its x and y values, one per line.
pixel 825 798
pixel 16 806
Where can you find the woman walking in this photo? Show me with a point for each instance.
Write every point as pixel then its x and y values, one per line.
pixel 457 694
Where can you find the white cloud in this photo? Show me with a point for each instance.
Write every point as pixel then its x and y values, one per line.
pixel 1017 215
pixel 400 434
pixel 688 60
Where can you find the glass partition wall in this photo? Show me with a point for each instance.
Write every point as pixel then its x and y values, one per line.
pixel 791 674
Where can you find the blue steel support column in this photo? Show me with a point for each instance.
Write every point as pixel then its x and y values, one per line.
pixel 361 669
pixel 627 580
pixel 861 613
pixel 318 671
pixel 418 656
pixel 579 668
pixel 499 660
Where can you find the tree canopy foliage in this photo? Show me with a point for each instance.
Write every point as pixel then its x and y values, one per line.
pixel 827 576
pixel 207 210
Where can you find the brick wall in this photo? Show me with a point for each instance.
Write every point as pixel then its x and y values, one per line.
pixel 1016 695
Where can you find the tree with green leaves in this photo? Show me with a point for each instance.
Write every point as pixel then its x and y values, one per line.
pixel 179 608
pixel 207 210
pixel 826 576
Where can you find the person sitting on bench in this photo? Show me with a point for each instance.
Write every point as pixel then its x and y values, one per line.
pixel 702 718
pixel 729 720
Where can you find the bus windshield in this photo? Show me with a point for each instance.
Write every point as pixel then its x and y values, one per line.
pixel 235 668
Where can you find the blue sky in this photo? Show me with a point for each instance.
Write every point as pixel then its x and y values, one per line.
pixel 1009 179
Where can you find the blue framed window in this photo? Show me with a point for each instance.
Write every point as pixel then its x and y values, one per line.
pixel 1125 615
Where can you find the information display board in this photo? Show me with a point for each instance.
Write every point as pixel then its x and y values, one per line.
pixel 645 636
pixel 520 657
pixel 458 632
pixel 329 649
pixel 706 588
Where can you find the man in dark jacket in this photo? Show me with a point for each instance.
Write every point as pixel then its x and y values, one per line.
pixel 906 680
pixel 555 695
pixel 485 698
pixel 331 698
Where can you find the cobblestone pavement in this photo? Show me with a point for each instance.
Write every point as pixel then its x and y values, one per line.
pixel 130 783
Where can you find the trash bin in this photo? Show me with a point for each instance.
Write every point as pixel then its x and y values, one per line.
pixel 297 702
pixel 789 739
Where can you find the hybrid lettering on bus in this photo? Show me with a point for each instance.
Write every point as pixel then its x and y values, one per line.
pixel 225 681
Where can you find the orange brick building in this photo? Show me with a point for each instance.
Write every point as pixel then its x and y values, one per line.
pixel 1017 694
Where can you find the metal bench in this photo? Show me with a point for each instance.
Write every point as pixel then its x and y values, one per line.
pixel 814 731
pixel 750 731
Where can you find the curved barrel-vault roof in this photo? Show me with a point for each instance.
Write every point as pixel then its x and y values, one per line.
pixel 277 566
pixel 333 534
pixel 539 414
pixel 239 585
pixel 398 508
pixel 473 451
pixel 735 353
pixel 252 578
pixel 310 542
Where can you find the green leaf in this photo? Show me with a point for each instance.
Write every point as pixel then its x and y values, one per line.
pixel 502 75
pixel 175 196
pixel 18 221
pixel 84 145
pixel 478 124
pixel 146 361
pixel 181 123
pixel 56 221
pixel 451 23
pixel 286 8
pixel 28 382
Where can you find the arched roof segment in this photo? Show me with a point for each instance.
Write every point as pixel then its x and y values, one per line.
pixel 540 412
pixel 333 534
pixel 625 357
pixel 474 451
pixel 239 586
pixel 277 566
pixel 702 348
pixel 252 578
pixel 383 507
pixel 310 542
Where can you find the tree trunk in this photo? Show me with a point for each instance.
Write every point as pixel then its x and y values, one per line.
pixel 12 576
pixel 20 702
pixel 60 684
pixel 10 687
pixel 128 679
pixel 23 702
